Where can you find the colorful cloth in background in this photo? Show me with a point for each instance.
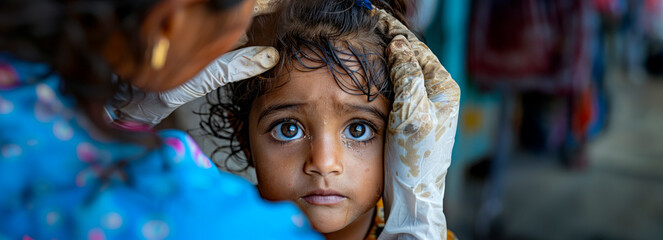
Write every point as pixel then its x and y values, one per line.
pixel 530 45
pixel 61 180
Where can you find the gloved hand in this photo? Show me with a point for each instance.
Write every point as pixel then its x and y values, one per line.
pixel 150 108
pixel 420 136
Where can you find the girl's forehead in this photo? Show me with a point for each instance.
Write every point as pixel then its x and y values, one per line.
pixel 318 88
pixel 312 84
pixel 316 58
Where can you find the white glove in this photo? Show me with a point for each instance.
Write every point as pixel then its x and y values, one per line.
pixel 152 107
pixel 420 136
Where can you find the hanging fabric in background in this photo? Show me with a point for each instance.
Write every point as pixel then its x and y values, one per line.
pixel 529 45
pixel 540 51
pixel 653 19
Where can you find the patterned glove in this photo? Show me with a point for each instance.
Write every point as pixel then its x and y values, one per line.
pixel 420 136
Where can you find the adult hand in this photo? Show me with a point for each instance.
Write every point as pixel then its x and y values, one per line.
pixel 420 136
pixel 150 108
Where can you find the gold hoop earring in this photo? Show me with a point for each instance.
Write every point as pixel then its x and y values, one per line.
pixel 160 52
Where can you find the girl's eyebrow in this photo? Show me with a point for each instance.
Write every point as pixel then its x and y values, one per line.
pixel 277 107
pixel 369 109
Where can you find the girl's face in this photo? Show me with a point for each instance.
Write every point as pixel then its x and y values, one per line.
pixel 320 147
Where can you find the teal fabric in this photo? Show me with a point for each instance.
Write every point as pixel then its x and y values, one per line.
pixel 447 37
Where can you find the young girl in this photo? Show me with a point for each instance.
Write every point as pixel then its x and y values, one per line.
pixel 315 127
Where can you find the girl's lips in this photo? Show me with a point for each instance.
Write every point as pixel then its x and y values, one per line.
pixel 323 200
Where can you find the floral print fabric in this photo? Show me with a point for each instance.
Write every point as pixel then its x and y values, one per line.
pixel 59 179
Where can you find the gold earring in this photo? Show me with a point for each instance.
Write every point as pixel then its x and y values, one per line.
pixel 159 53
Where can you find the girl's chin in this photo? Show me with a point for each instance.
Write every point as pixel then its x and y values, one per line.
pixel 327 223
pixel 326 229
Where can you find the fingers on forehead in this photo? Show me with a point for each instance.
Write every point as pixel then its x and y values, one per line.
pixel 439 84
pixel 406 47
pixel 265 7
pixel 438 81
pixel 404 68
pixel 392 27
pixel 400 51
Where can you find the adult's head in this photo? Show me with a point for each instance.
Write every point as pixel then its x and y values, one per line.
pixel 91 42
pixel 86 40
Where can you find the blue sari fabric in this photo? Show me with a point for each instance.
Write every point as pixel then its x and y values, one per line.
pixel 52 163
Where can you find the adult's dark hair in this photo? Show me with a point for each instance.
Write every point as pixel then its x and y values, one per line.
pixel 339 35
pixel 69 36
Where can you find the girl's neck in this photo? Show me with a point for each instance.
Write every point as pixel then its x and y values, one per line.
pixel 355 230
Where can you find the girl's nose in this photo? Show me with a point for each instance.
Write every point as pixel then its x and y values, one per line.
pixel 326 156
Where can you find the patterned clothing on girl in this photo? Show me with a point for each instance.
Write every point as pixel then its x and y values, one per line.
pixel 61 180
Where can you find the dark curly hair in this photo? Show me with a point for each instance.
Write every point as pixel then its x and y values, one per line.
pixel 69 36
pixel 339 35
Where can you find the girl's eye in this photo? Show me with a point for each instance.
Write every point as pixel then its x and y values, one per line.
pixel 287 131
pixel 359 132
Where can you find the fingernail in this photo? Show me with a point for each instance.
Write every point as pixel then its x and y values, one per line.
pixel 267 58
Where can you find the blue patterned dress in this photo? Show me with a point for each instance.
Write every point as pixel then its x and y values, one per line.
pixel 51 162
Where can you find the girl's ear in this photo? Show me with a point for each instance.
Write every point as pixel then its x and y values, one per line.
pixel 249 158
pixel 242 136
pixel 246 147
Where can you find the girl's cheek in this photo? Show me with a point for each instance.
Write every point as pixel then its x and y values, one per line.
pixel 372 149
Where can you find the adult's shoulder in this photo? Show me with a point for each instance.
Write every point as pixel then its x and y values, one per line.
pixel 229 204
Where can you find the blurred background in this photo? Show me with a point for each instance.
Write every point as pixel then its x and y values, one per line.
pixel 559 134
